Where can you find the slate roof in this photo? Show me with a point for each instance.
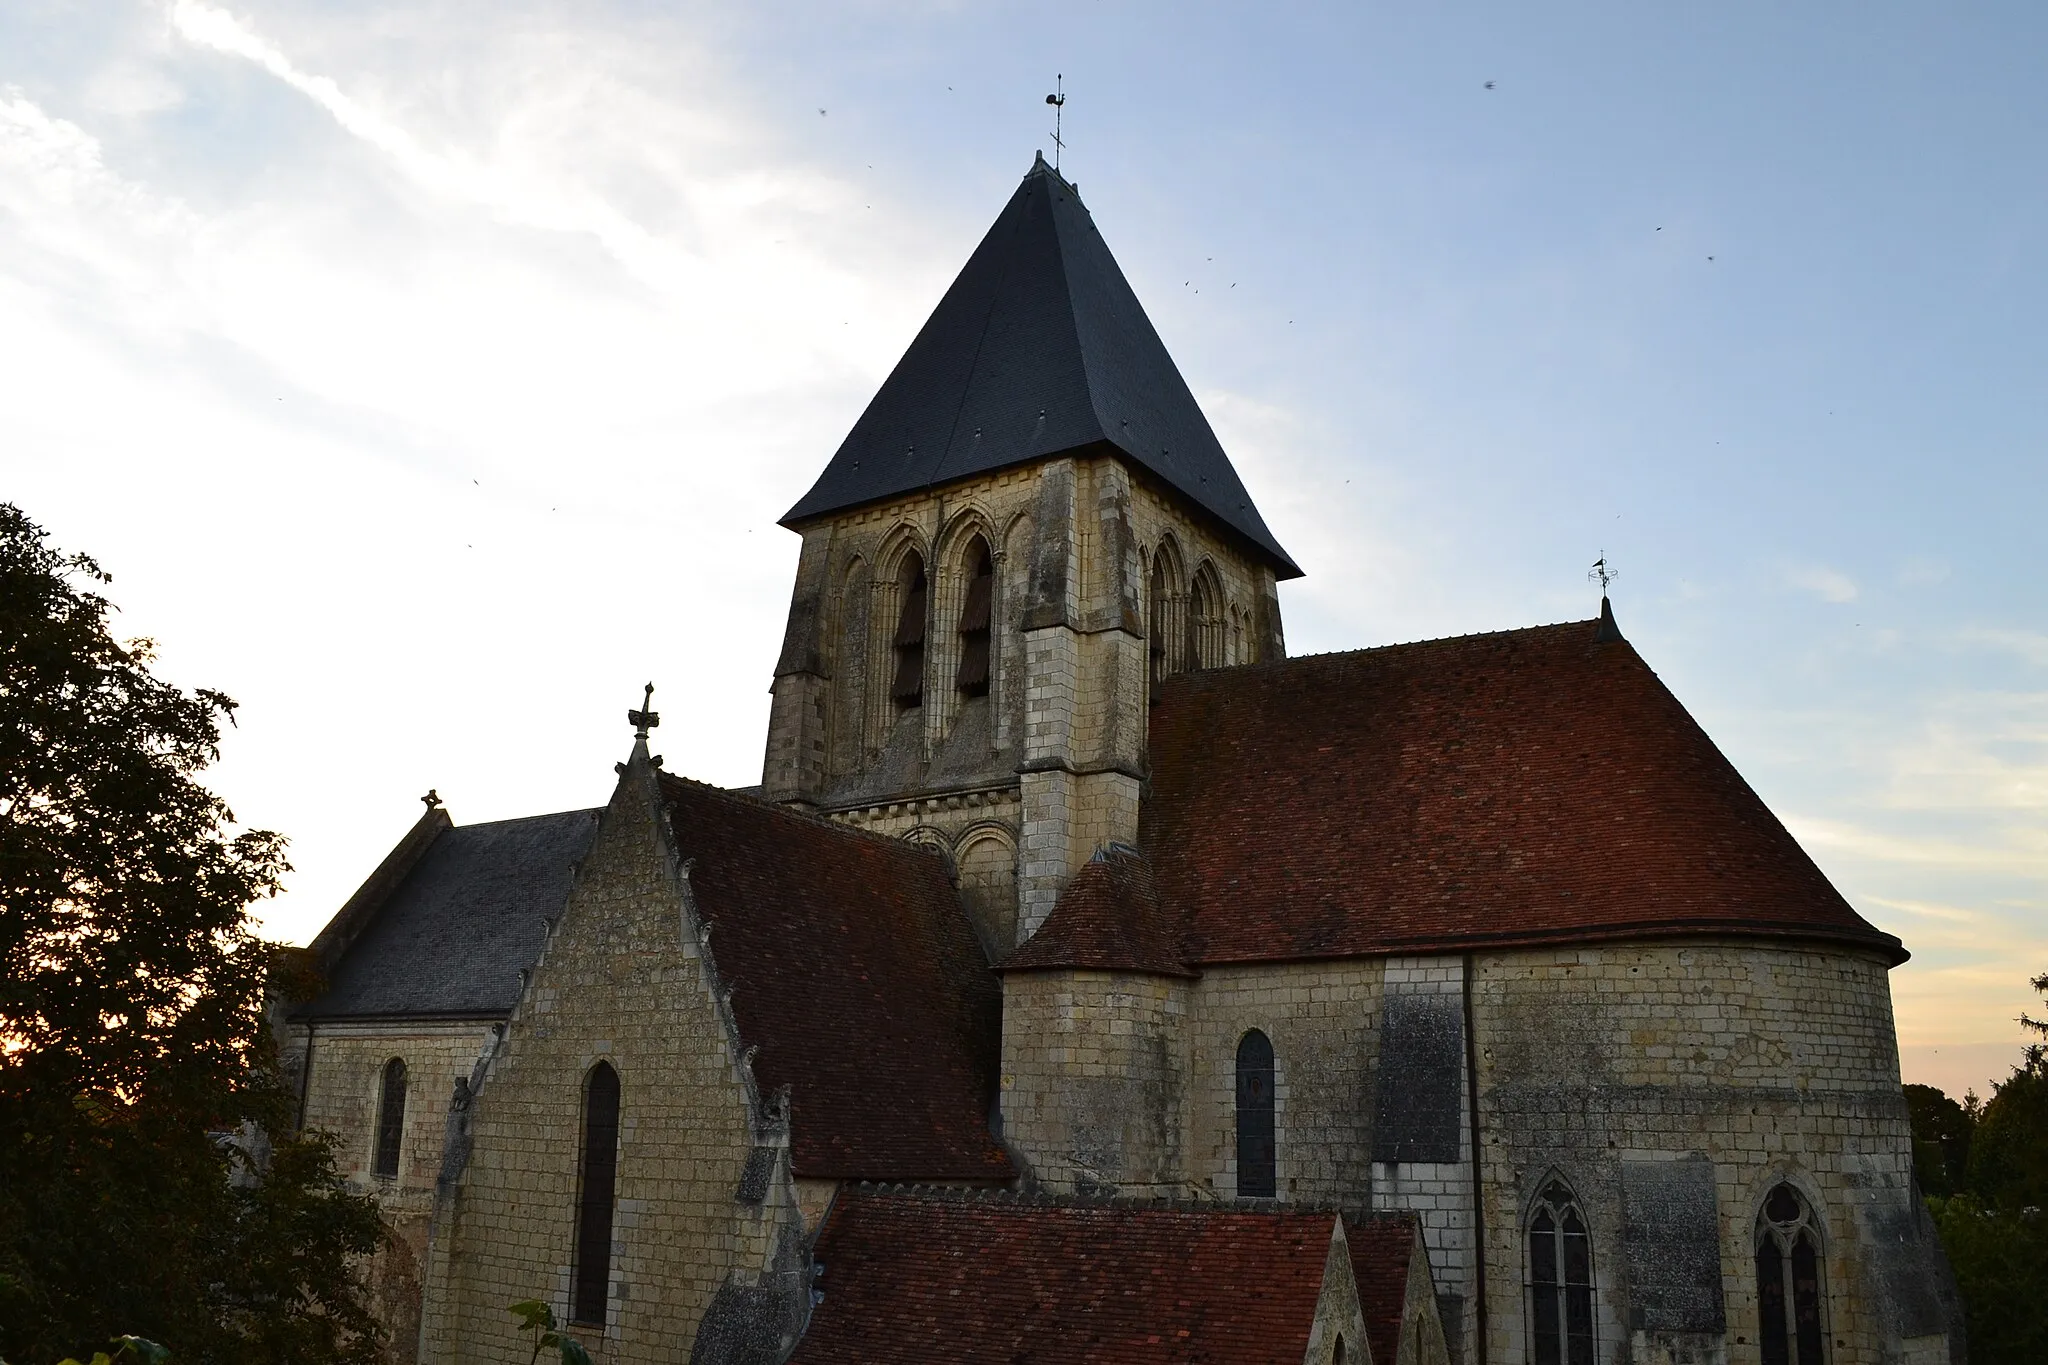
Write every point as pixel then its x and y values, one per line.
pixel 922 1275
pixel 1527 787
pixel 451 938
pixel 1108 919
pixel 856 973
pixel 1039 348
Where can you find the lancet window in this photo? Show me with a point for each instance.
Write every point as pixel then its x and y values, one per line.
pixel 906 689
pixel 976 613
pixel 1255 1147
pixel 595 1195
pixel 1560 1270
pixel 390 1119
pixel 1166 612
pixel 1788 1280
pixel 1207 627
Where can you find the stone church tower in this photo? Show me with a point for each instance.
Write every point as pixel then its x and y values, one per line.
pixel 1030 526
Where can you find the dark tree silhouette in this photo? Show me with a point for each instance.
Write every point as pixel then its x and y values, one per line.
pixel 149 1179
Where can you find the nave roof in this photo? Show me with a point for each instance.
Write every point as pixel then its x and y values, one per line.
pixel 1521 788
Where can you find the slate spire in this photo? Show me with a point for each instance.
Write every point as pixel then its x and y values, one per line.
pixel 1038 349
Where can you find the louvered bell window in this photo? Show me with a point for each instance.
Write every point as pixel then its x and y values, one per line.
pixel 907 690
pixel 972 680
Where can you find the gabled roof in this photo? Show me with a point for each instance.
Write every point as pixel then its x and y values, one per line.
pixel 855 971
pixel 1527 787
pixel 922 1275
pixel 1383 1250
pixel 1039 348
pixel 1108 919
pixel 449 939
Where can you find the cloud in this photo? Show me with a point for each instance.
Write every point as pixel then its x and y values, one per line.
pixel 1830 585
pixel 2030 646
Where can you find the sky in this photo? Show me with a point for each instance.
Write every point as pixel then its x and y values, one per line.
pixel 431 375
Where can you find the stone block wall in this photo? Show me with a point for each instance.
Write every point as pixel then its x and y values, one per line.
pixel 1635 1072
pixel 341 1066
pixel 1322 1018
pixel 1092 1077
pixel 624 980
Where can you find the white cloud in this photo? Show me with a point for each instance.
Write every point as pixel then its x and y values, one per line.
pixel 1830 585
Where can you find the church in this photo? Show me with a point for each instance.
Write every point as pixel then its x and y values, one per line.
pixel 1088 980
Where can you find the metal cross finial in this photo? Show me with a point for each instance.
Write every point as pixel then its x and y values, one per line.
pixel 1058 101
pixel 646 718
pixel 431 799
pixel 1603 573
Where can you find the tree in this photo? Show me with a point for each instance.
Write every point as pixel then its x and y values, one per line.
pixel 2009 1152
pixel 1941 1139
pixel 150 1182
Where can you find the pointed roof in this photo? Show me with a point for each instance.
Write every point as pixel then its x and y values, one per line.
pixel 1039 348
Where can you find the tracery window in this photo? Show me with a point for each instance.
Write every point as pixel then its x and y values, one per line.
pixel 1560 1280
pixel 1206 623
pixel 595 1194
pixel 1255 1153
pixel 1165 626
pixel 972 678
pixel 390 1119
pixel 907 688
pixel 1788 1270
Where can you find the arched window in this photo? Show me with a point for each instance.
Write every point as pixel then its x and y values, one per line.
pixel 907 689
pixel 1337 1356
pixel 1165 629
pixel 390 1119
pixel 1206 624
pixel 595 1195
pixel 1560 1280
pixel 1788 1280
pixel 972 679
pixel 1255 1157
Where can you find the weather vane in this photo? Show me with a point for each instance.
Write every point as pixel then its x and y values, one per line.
pixel 646 718
pixel 1058 101
pixel 1603 573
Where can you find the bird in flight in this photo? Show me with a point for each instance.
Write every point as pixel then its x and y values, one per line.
pixel 1489 85
pixel 821 113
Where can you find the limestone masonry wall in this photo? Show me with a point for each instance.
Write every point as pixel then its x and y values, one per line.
pixel 622 980
pixel 343 1096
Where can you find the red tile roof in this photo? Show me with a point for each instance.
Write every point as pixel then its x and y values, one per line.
pixel 1527 787
pixel 855 972
pixel 1382 1249
pixel 1108 919
pixel 925 1275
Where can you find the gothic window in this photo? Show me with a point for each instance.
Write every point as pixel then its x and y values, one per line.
pixel 1788 1280
pixel 1560 1280
pixel 1337 1356
pixel 972 679
pixel 390 1118
pixel 907 688
pixel 1255 1156
pixel 1165 630
pixel 595 1195
pixel 1206 625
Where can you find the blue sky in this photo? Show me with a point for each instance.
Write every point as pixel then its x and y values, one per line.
pixel 430 375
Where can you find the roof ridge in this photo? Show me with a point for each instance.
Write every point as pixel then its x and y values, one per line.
pixel 1004 1197
pixel 804 816
pixel 523 819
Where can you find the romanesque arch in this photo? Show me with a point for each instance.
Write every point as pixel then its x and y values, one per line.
pixel 1257 1155
pixel 985 859
pixel 849 741
pixel 596 1192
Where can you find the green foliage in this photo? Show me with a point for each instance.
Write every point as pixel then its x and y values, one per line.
pixel 2000 1259
pixel 1985 1169
pixel 148 1177
pixel 539 1319
pixel 1941 1139
pixel 128 1348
